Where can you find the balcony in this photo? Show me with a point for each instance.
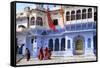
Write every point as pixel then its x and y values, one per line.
pixel 75 27
pixel 69 28
pixel 81 26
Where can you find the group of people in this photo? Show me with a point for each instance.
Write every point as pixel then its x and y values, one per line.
pixel 44 54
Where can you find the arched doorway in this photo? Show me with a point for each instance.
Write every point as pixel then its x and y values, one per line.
pixel 56 44
pixel 78 45
pixel 63 44
pixel 51 44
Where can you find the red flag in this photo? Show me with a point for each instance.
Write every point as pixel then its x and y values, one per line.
pixel 51 25
pixel 62 15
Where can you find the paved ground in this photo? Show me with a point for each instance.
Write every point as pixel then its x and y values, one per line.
pixel 19 57
pixel 75 58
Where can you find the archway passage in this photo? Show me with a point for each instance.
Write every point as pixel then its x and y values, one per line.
pixel 57 45
pixel 78 46
pixel 63 44
pixel 51 44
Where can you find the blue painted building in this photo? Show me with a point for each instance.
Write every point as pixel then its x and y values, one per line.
pixel 77 37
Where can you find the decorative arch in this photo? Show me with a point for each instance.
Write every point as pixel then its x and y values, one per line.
pixel 63 44
pixel 73 15
pixel 90 13
pixel 78 14
pixel 84 14
pixel 51 44
pixel 21 26
pixel 39 21
pixel 78 45
pixel 32 21
pixel 57 44
pixel 67 16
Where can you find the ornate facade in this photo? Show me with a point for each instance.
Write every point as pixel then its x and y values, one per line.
pixel 77 37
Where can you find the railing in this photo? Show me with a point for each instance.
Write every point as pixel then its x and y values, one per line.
pixel 76 27
pixel 70 27
pixel 82 26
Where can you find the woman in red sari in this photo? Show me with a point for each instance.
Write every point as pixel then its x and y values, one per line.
pixel 46 53
pixel 41 55
pixel 49 57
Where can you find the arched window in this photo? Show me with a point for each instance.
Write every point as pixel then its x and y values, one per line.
pixel 63 44
pixel 95 14
pixel 84 14
pixel 67 16
pixel 32 21
pixel 39 21
pixel 51 44
pixel 73 15
pixel 57 45
pixel 90 13
pixel 78 14
pixel 68 44
pixel 89 43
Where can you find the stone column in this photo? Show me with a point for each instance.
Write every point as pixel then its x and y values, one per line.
pixel 66 38
pixel 92 47
pixel 92 43
pixel 53 44
pixel 59 44
pixel 69 52
pixel 85 46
